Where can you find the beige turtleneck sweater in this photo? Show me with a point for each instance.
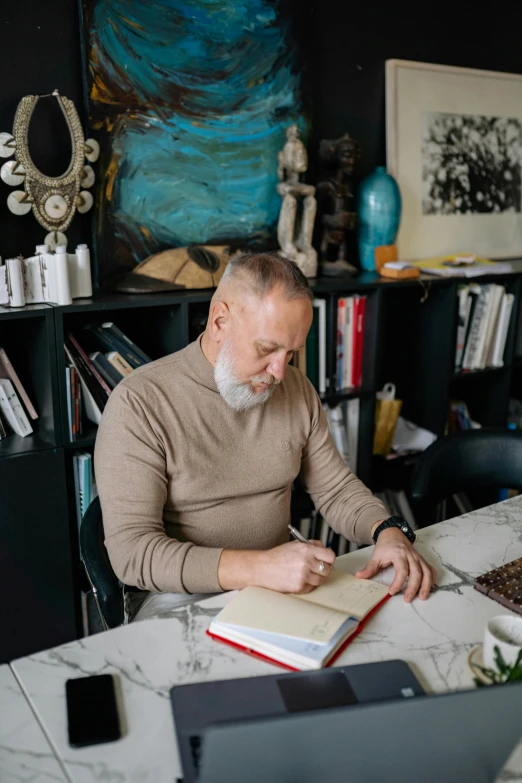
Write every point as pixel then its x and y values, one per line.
pixel 182 476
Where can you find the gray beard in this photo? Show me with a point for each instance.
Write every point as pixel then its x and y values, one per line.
pixel 238 395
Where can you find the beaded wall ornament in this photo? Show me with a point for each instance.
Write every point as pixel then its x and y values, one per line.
pixel 54 200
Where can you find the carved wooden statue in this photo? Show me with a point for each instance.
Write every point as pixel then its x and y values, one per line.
pixel 297 216
pixel 336 205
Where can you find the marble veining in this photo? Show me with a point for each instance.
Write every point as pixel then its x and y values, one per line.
pixel 25 754
pixel 434 637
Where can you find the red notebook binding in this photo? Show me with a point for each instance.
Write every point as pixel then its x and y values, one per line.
pixel 334 657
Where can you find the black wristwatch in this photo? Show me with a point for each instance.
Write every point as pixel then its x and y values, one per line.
pixel 395 522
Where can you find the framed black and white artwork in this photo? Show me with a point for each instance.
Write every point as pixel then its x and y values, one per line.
pixel 454 145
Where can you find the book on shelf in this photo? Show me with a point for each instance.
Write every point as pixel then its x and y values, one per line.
pixel 8 371
pixel 496 355
pixel 3 431
pixel 12 410
pixel 312 351
pixel 459 417
pixel 299 631
pixel 105 368
pixel 111 328
pixel 484 313
pixel 336 425
pixel 73 392
pixel 119 363
pixel 84 485
pixel 351 314
pixel 315 349
pixel 503 585
pixel 343 423
pixel 96 373
pixel 94 396
pixel 105 338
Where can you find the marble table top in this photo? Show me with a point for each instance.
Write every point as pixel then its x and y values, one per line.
pixel 25 754
pixel 149 657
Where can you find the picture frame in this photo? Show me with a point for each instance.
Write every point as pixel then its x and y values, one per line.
pixel 454 145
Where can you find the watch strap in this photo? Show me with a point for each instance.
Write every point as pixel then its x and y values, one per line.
pixel 398 522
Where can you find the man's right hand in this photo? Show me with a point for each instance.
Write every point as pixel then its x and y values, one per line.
pixel 289 568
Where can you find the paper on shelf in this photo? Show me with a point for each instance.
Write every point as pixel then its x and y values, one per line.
pixel 409 437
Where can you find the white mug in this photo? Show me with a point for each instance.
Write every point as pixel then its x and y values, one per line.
pixel 505 632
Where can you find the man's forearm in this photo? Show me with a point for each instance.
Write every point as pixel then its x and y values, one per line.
pixel 239 568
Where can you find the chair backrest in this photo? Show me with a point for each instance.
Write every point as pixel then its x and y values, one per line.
pixel 107 589
pixel 466 461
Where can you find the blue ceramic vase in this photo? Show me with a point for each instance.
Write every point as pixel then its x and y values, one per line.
pixel 379 214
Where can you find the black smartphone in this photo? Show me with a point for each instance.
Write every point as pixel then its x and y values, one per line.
pixel 92 712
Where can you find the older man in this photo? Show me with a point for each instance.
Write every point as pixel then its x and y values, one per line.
pixel 197 452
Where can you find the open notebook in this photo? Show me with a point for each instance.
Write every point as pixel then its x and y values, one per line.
pixel 299 631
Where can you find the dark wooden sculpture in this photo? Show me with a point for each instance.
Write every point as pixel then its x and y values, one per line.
pixel 336 205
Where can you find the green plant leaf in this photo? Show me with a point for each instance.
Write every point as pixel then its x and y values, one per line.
pixel 499 660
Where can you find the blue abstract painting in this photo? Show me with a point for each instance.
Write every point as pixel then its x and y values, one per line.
pixel 191 99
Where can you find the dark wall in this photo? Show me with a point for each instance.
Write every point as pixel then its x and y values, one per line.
pixel 355 40
pixel 39 51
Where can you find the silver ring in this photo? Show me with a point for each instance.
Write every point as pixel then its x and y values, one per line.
pixel 321 567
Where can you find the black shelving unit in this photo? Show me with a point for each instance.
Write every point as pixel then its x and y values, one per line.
pixel 409 340
pixel 36 565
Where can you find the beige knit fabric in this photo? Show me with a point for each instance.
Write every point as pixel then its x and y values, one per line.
pixel 181 475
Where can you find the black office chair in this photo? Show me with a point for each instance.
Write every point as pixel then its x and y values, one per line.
pixel 465 461
pixel 106 587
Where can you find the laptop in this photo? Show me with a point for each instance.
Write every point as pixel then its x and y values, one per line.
pixel 198 706
pixel 448 738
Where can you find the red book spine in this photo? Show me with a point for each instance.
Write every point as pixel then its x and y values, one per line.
pixel 91 366
pixel 359 323
pixel 353 368
pixel 266 658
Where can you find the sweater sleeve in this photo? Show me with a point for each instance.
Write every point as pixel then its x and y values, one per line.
pixel 130 468
pixel 345 502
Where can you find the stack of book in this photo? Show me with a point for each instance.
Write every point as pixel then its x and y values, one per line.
pixel 484 313
pixel 99 356
pixel 13 416
pixel 351 312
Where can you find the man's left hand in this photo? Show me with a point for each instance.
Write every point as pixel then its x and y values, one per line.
pixel 393 548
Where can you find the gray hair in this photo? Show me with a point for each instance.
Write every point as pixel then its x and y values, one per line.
pixel 264 271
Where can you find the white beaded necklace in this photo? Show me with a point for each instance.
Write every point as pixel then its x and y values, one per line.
pixel 54 200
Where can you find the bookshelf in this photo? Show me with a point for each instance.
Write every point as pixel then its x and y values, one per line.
pixel 409 340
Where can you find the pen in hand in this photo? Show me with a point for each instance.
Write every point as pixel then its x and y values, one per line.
pixel 299 536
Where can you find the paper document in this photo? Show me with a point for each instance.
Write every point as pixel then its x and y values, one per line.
pixel 346 593
pixel 409 437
